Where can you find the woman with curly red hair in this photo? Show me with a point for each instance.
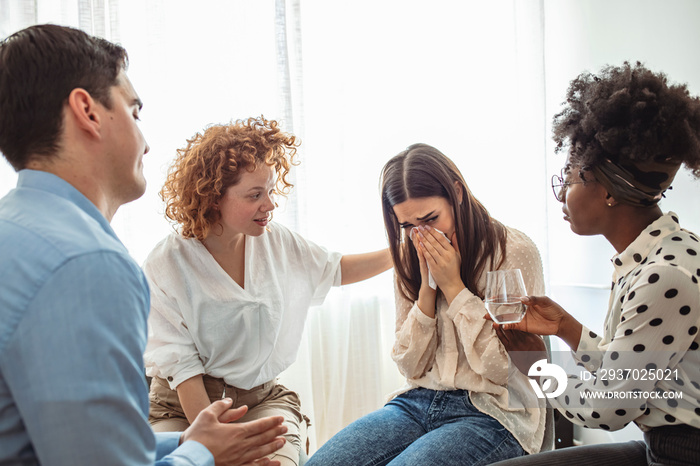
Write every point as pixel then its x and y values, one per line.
pixel 230 292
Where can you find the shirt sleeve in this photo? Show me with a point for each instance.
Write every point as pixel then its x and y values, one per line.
pixel 416 343
pixel 658 325
pixel 189 453
pixel 321 266
pixel 171 352
pixel 90 315
pixel 484 351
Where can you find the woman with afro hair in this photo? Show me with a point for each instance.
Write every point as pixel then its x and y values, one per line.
pixel 627 131
pixel 230 291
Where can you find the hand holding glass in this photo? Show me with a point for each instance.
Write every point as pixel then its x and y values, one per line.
pixel 504 288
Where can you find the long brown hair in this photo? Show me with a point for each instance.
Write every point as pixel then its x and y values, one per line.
pixel 423 171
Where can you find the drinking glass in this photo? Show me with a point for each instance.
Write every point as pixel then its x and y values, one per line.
pixel 504 288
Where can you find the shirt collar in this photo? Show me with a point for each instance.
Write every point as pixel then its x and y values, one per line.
pixel 50 183
pixel 640 248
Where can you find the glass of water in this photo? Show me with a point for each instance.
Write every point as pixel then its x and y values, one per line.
pixel 504 288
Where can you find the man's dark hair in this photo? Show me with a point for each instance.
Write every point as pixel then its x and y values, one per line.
pixel 39 67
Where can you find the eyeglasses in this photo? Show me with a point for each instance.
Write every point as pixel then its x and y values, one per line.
pixel 559 186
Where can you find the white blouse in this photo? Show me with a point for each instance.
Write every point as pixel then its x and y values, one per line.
pixel 203 322
pixel 459 350
pixel 650 341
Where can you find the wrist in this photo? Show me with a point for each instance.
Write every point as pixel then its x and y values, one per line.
pixel 452 290
pixel 426 301
pixel 570 331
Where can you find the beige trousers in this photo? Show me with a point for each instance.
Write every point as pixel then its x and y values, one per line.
pixel 269 399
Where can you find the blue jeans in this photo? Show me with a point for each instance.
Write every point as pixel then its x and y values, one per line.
pixel 421 427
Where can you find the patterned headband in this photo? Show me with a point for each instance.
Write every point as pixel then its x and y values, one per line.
pixel 640 185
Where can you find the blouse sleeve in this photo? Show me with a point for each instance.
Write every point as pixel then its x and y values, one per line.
pixel 483 349
pixel 171 352
pixel 416 342
pixel 659 321
pixel 322 267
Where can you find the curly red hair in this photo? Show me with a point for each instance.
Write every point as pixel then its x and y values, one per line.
pixel 214 160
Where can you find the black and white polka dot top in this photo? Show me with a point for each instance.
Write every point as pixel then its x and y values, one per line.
pixel 652 326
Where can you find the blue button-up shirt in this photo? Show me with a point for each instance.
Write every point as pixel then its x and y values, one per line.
pixel 73 313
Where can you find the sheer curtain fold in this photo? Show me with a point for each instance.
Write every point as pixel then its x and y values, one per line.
pixel 340 371
pixel 97 17
pixel 16 15
pixel 290 95
pixel 100 18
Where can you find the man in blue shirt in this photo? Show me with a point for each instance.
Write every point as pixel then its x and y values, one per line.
pixel 73 303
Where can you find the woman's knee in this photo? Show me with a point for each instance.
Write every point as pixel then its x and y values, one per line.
pixel 169 425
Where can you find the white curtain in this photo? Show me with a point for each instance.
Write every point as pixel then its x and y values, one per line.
pixel 358 82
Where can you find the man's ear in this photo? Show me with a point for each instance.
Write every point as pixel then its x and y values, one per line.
pixel 83 108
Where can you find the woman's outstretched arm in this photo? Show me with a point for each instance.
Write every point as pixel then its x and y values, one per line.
pixel 358 267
